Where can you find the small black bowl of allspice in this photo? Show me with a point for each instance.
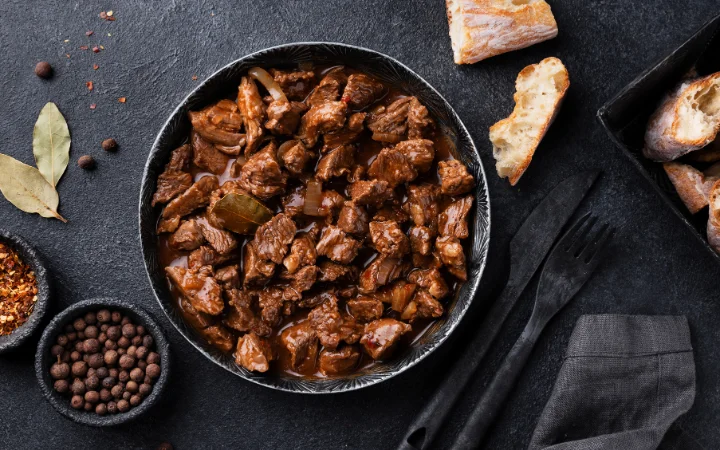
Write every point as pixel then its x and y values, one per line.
pixel 24 291
pixel 102 362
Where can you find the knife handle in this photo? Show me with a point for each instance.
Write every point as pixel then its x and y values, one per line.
pixel 429 421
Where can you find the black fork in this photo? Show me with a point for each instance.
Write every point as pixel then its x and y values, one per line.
pixel 566 270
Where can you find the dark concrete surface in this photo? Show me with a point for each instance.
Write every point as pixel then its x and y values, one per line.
pixel 656 266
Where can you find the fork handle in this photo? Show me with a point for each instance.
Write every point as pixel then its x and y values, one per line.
pixel 497 392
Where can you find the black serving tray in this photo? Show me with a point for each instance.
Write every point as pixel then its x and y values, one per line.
pixel 625 116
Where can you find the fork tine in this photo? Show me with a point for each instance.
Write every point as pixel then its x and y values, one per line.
pixel 594 248
pixel 568 238
pixel 582 237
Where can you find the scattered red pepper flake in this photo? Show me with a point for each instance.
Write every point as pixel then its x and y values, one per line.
pixel 122 99
pixel 89 85
pixel 89 33
pixel 96 49
pixel 93 106
pixel 83 47
pixel 103 15
pixel 18 290
pixel 194 77
pixel 95 67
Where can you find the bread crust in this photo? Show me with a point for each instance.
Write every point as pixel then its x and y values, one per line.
pixel 561 85
pixel 713 225
pixel 480 29
pixel 691 185
pixel 662 142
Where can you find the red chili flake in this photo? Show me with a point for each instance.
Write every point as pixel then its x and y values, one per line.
pixel 93 106
pixel 89 85
pixel 111 19
pixel 345 99
pixel 96 49
pixel 122 99
pixel 18 290
pixel 89 33
pixel 194 77
pixel 83 47
pixel 95 67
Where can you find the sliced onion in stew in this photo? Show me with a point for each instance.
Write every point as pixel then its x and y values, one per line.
pixel 261 75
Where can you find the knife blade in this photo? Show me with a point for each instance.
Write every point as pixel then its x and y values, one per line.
pixel 528 249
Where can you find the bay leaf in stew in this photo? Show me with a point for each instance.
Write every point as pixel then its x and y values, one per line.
pixel 241 213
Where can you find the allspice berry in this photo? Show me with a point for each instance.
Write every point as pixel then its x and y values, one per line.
pixel 60 371
pixel 137 375
pixel 153 371
pixel 92 396
pixel 112 408
pixel 62 386
pixel 103 316
pixel 116 391
pixel 101 409
pixel 135 400
pixel 43 69
pixel 79 368
pixel 127 362
pixel 123 406
pixel 109 145
pixel 77 402
pixel 86 162
pixel 111 357
pixel 78 387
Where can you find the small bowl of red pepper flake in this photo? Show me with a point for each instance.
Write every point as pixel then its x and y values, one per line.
pixel 24 291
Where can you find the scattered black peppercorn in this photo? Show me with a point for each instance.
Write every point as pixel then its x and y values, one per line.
pixel 43 69
pixel 109 145
pixel 86 162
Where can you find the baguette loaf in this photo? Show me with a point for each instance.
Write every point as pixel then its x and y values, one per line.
pixel 688 119
pixel 692 186
pixel 540 89
pixel 713 226
pixel 480 29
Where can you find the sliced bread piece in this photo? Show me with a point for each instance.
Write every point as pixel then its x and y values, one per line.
pixel 540 89
pixel 480 29
pixel 688 119
pixel 692 186
pixel 713 226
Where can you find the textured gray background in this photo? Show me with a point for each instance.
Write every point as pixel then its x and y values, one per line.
pixel 656 266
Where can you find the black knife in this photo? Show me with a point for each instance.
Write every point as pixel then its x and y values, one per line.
pixel 527 251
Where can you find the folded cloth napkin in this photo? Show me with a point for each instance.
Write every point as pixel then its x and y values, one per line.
pixel 624 381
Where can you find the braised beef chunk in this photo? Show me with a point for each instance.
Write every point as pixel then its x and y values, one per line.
pixel 329 88
pixel 188 236
pixel 270 301
pixel 301 342
pixel 253 113
pixel 420 240
pixel 322 118
pixel 228 277
pixel 398 294
pixel 175 179
pixel 300 281
pixel 353 219
pixel 199 287
pixel 451 253
pixel 356 174
pixel 423 306
pixel 422 205
pixel 296 84
pixel 336 245
pixel 426 262
pixel 197 320
pixel 391 212
pixel 361 91
pixel 381 335
pixel 302 253
pixel 420 124
pixel 331 204
pixel 222 241
pixel 315 299
pixel 365 309
pixel 419 152
pixel 329 271
pixel 390 165
pixel 454 178
pixel 453 221
pixel 253 353
pixel 390 125
pixel 331 326
pixel 262 176
pixel 196 196
pixel 336 163
pixel 218 124
pixel 257 270
pixel 371 193
pixel 272 238
pixel 218 336
pixel 338 362
pixel 348 134
pixel 284 116
pixel 206 256
pixel 240 315
pixel 206 156
pixel 389 239
pixel 430 280
pixel 381 271
pixel 294 156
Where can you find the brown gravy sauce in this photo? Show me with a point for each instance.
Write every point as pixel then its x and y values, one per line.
pixel 368 150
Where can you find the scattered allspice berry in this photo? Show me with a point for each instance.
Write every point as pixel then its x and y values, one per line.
pixel 165 446
pixel 43 69
pixel 86 162
pixel 109 145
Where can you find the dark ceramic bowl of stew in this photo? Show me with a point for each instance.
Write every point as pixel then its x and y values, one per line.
pixel 451 141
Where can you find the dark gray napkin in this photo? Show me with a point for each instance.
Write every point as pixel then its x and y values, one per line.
pixel 624 381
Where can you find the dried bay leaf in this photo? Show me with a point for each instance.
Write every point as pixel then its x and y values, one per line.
pixel 241 213
pixel 51 143
pixel 26 188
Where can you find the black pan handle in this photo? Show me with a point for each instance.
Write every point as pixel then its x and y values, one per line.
pixel 429 421
pixel 496 393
